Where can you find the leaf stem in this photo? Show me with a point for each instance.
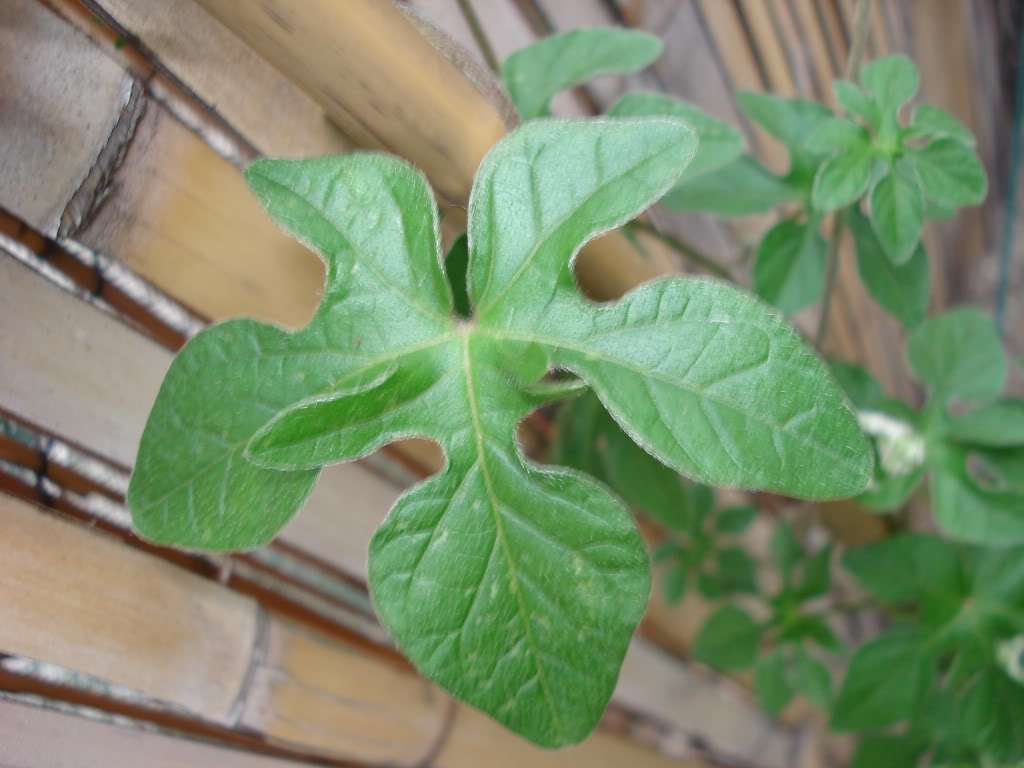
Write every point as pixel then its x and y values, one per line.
pixel 469 14
pixel 861 28
pixel 683 248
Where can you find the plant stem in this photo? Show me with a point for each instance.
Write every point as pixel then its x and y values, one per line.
pixel 469 14
pixel 684 249
pixel 832 272
pixel 861 28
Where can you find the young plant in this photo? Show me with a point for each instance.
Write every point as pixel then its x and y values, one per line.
pixel 514 586
pixel 973 456
pixel 784 644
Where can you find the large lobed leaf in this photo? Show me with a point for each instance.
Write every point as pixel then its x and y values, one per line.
pixel 513 586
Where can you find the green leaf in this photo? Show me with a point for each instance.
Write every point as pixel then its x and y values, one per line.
pixel 843 179
pixel 884 683
pixel 860 386
pixel 903 291
pixel 998 470
pixel 890 492
pixel 950 173
pixel 816 576
pixel 791 121
pixel 675 583
pixel 812 679
pixel 958 354
pixel 770 684
pixel 888 751
pixel 998 424
pixel 513 586
pixel 810 627
pixel 534 74
pixel 966 511
pixel 578 426
pixel 455 265
pixel 737 572
pixel 991 709
pixel 668 549
pixel 718 142
pixel 740 188
pixel 837 134
pixel 930 123
pixel 897 212
pixel 908 567
pixel 891 80
pixel 785 548
pixel 734 519
pixel 790 267
pixel 643 481
pixel 728 640
pixel 854 101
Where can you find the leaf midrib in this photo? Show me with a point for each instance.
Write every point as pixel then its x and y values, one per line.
pixel 584 350
pixel 478 435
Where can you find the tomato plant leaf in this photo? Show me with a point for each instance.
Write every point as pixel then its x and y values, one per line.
pixel 902 290
pixel 534 74
pixel 812 679
pixel 733 520
pixel 737 572
pixel 958 354
pixel 854 101
pixel 837 134
pixel 790 268
pixel 719 143
pixel 728 640
pixel 675 583
pixel 891 80
pixel 888 751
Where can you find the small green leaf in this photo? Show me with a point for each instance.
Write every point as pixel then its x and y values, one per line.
pixel 734 519
pixel 884 683
pixel 816 576
pixel 999 424
pixel 958 354
pixel 891 80
pixel 854 101
pixel 812 679
pixel 890 492
pixel 770 684
pixel 455 265
pixel 950 173
pixel 843 179
pixel 908 567
pixel 728 640
pixel 903 291
pixel 897 211
pixel 675 583
pixel 534 74
pixel 809 627
pixel 710 586
pixel 740 188
pixel 785 548
pixel 966 511
pixel 930 122
pixel 1000 470
pixel 719 143
pixel 889 751
pixel 790 267
pixel 737 572
pixel 837 134
pixel 578 425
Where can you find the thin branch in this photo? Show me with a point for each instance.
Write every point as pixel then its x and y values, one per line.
pixel 861 29
pixel 684 249
pixel 469 14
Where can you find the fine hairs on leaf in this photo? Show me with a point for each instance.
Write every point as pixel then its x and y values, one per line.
pixel 516 587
